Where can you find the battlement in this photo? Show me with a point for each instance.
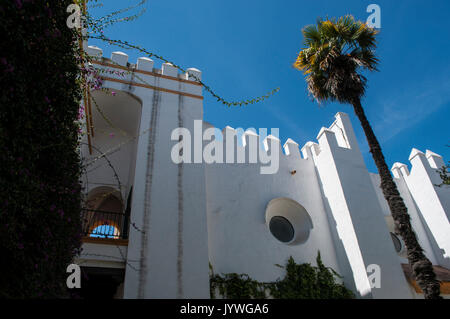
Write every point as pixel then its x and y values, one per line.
pixel 245 140
pixel 428 161
pixel 144 74
pixel 339 136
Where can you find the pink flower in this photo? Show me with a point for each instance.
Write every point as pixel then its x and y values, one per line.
pixel 18 4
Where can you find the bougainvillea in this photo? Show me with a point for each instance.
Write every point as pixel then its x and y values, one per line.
pixel 40 227
pixel 42 74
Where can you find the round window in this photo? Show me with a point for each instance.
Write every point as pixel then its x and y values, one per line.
pixel 288 221
pixel 281 228
pixel 397 243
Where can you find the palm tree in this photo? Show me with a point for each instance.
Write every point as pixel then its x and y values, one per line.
pixel 336 52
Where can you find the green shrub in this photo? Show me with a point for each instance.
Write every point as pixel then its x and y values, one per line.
pixel 302 281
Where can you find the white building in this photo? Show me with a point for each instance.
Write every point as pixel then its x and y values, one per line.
pixel 181 217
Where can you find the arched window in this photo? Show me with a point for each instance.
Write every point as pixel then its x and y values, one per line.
pixel 104 216
pixel 104 230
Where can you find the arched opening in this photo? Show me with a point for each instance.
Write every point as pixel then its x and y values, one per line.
pixel 110 159
pixel 104 215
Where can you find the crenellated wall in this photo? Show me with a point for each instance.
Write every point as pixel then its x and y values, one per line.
pixel 331 182
pixel 237 197
pixel 143 74
pixel 431 202
pixel 355 209
pixel 218 206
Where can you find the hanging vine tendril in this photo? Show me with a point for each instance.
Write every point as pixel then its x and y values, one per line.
pixel 96 26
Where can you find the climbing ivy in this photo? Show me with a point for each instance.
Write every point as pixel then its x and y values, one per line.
pixel 237 286
pixel 302 281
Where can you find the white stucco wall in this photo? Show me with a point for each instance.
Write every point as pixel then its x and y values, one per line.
pixel 358 216
pixel 432 202
pixel 237 197
pixel 191 213
pixel 102 255
pixel 169 203
pixel 167 250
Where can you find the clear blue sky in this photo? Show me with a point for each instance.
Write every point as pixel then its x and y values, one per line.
pixel 245 48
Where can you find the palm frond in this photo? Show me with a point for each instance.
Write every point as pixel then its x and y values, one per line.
pixel 311 35
pixel 334 51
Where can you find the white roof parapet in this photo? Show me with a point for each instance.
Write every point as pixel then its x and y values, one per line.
pixel 399 170
pixel 250 132
pixel 250 141
pixel 414 153
pixel 324 130
pixel 272 137
pixel 94 51
pixel 429 153
pixel 193 74
pixel 275 141
pixel 341 114
pixel 169 70
pixel 228 129
pixel 310 149
pixel 290 141
pixel 120 58
pixel 291 148
pixel 231 145
pixel 327 136
pixel 145 64
pixel 248 135
pixel 436 161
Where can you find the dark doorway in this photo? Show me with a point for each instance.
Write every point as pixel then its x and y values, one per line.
pixel 100 283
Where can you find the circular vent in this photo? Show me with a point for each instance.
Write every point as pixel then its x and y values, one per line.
pixel 281 228
pixel 288 221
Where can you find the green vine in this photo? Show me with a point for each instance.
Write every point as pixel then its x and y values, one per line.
pixel 96 27
pixel 302 281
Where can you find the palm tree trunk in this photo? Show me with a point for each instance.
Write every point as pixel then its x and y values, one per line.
pixel 421 266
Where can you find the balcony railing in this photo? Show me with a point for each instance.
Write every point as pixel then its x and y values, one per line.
pixel 105 224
